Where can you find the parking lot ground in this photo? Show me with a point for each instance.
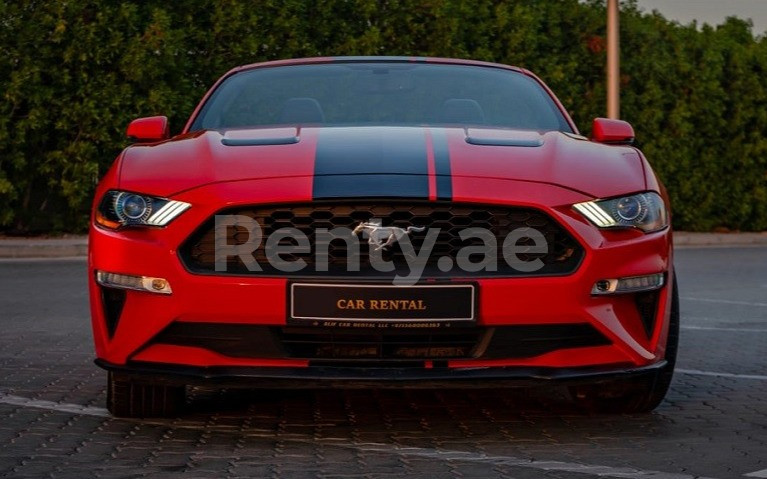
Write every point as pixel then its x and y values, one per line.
pixel 713 424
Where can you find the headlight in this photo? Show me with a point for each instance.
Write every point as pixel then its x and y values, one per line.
pixel 122 208
pixel 645 211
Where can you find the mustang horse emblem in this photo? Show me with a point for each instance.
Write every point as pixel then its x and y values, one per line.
pixel 382 237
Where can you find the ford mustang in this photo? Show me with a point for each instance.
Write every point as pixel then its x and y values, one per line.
pixel 382 222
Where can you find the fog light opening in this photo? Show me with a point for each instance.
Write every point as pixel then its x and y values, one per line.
pixel 136 283
pixel 633 284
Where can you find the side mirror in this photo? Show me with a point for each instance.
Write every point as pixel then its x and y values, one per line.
pixel 616 132
pixel 152 128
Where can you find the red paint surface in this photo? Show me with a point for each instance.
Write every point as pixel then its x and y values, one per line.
pixel 153 128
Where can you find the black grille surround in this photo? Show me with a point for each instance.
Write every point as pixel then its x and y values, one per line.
pixel 563 256
pixel 113 300
pixel 352 347
pixel 647 307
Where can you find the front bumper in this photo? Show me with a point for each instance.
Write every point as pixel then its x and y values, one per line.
pixel 363 378
pixel 254 300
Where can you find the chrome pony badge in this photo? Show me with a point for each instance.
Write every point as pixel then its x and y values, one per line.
pixel 381 237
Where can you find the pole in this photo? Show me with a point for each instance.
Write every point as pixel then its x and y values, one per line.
pixel 613 61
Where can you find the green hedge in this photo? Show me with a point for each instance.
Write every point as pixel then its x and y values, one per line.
pixel 72 75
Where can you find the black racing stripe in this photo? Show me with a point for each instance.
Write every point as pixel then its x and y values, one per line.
pixel 370 186
pixel 442 164
pixel 371 162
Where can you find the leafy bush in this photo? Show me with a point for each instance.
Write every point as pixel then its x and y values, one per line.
pixel 74 73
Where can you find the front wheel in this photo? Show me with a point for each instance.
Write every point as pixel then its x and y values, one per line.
pixel 635 395
pixel 130 397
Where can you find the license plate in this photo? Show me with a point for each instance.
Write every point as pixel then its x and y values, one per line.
pixel 331 304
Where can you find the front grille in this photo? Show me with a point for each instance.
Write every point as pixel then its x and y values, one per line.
pixel 562 256
pixel 354 347
pixel 344 344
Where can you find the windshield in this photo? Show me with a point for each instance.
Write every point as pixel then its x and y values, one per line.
pixel 380 93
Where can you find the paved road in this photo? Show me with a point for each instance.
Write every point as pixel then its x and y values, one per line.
pixel 714 423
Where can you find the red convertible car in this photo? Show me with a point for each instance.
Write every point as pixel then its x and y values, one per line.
pixel 382 222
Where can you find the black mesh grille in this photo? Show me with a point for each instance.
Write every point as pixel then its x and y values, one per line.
pixel 562 256
pixel 355 344
pixel 359 348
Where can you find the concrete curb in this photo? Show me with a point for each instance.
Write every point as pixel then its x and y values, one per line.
pixel 78 245
pixel 686 239
pixel 44 248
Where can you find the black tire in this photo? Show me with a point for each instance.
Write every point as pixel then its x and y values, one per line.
pixel 635 395
pixel 130 397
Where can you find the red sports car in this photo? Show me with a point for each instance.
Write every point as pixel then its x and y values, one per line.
pixel 378 222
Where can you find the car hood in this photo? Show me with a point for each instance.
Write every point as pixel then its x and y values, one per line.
pixel 381 161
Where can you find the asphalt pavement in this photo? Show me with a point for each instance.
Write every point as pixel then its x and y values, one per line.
pixel 713 424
